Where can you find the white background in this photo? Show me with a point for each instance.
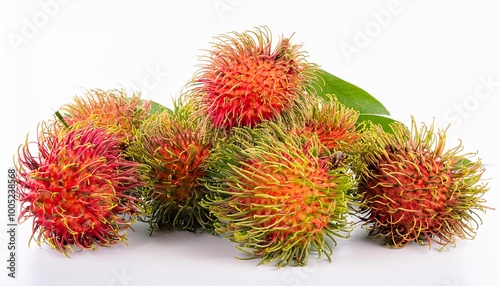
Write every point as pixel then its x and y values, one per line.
pixel 430 59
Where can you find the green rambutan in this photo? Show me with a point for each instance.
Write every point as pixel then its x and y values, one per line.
pixel 413 190
pixel 276 196
pixel 247 78
pixel 79 190
pixel 175 146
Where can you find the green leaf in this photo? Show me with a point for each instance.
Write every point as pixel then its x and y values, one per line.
pixel 156 107
pixel 383 121
pixel 463 163
pixel 348 94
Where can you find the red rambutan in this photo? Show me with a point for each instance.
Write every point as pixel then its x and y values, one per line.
pixel 79 190
pixel 415 191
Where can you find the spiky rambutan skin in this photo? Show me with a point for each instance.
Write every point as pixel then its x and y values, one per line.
pixel 78 190
pixel 175 147
pixel 114 110
pixel 413 190
pixel 275 196
pixel 246 78
pixel 332 122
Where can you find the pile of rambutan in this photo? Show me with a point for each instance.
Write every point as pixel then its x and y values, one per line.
pixel 263 148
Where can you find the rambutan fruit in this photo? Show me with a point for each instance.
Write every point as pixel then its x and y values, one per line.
pixel 332 122
pixel 114 110
pixel 273 194
pixel 414 190
pixel 79 190
pixel 246 78
pixel 175 146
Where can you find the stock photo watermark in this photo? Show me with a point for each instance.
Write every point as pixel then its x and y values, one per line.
pixel 222 7
pixel 153 78
pixel 11 226
pixel 32 25
pixel 373 28
pixel 121 278
pixel 297 276
pixel 486 87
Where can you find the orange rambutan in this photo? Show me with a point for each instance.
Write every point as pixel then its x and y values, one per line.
pixel 333 123
pixel 114 110
pixel 247 78
pixel 276 196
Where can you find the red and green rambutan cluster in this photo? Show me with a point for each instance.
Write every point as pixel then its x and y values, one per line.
pixel 252 151
pixel 75 181
pixel 278 182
